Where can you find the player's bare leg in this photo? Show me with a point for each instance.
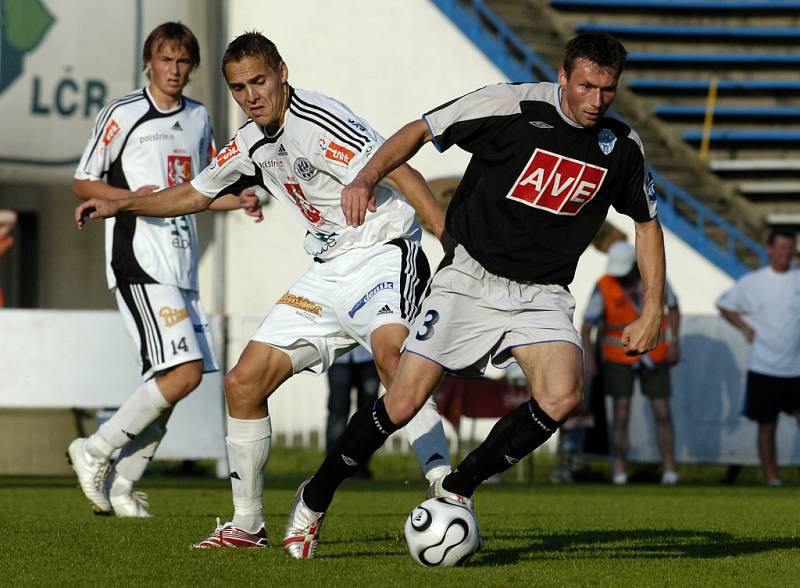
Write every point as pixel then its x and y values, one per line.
pixel 664 436
pixel 767 452
pixel 424 431
pixel 554 372
pixel 258 373
pixel 619 436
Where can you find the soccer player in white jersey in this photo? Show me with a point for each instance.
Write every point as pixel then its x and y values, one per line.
pixel 363 286
pixel 149 139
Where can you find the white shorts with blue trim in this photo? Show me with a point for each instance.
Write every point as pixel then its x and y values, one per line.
pixel 472 316
pixel 337 304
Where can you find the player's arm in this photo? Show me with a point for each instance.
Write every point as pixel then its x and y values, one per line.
pixel 358 196
pixel 86 189
pixel 737 320
pixel 416 190
pixel 642 334
pixel 247 200
pixel 176 201
pixel 674 325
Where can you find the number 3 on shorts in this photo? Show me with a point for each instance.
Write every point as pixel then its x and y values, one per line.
pixel 431 318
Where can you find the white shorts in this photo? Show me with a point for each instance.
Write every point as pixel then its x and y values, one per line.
pixel 472 316
pixel 336 304
pixel 168 326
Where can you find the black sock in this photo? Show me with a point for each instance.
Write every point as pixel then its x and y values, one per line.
pixel 366 432
pixel 513 437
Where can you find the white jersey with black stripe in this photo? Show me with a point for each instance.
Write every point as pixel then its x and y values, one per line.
pixel 304 165
pixel 134 144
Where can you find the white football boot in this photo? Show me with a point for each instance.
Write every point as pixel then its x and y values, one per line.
pixel 228 536
pixel 436 490
pixel 301 538
pixel 92 474
pixel 131 505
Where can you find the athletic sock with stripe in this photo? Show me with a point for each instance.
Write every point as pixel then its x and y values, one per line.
pixel 367 430
pixel 513 437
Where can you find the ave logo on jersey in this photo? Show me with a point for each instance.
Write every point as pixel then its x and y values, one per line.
pixel 112 130
pixel 179 169
pixel 338 154
pixel 557 184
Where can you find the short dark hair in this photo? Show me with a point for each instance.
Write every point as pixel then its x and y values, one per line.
pixel 171 32
pixel 599 48
pixel 252 44
pixel 781 232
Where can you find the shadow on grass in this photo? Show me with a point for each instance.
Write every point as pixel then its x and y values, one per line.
pixel 620 544
pixel 629 544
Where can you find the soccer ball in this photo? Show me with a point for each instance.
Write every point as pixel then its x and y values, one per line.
pixel 442 532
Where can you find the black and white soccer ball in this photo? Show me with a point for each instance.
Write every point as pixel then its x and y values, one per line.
pixel 442 532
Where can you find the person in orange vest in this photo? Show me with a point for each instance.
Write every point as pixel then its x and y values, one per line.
pixel 614 304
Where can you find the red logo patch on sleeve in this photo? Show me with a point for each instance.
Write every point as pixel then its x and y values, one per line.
pixel 228 152
pixel 556 183
pixel 338 154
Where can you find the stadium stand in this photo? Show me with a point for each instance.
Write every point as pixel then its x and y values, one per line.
pixel 749 48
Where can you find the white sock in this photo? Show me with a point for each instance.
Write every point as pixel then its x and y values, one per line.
pixel 142 407
pixel 134 457
pixel 248 444
pixel 425 433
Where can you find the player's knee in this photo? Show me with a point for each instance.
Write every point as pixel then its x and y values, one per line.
pixel 185 378
pixel 238 387
pixel 401 408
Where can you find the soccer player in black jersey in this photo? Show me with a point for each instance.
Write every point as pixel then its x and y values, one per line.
pixel 546 165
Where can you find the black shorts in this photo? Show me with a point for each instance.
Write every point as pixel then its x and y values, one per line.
pixel 767 396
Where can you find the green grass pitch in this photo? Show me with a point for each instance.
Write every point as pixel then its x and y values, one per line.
pixel 696 534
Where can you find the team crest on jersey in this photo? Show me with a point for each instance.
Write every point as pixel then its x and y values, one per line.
pixel 652 195
pixel 557 184
pixel 338 154
pixel 304 169
pixel 606 139
pixel 179 169
pixel 112 130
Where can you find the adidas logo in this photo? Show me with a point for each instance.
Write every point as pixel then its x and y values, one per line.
pixel 128 435
pixel 511 460
pixel 351 462
pixel 385 310
pixel 434 457
pixel 540 124
pixel 281 150
pixel 177 126
pixel 235 476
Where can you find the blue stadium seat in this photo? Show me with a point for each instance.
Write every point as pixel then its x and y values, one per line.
pixel 689 85
pixel 768 138
pixel 765 34
pixel 656 58
pixel 734 112
pixel 746 6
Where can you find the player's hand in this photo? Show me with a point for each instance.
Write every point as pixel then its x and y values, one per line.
pixel 357 198
pixel 641 335
pixel 145 190
pixel 251 205
pixel 95 208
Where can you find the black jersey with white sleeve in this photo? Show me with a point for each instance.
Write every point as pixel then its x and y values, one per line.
pixel 538 185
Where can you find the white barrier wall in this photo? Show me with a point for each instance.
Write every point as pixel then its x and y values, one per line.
pixel 707 401
pixel 86 359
